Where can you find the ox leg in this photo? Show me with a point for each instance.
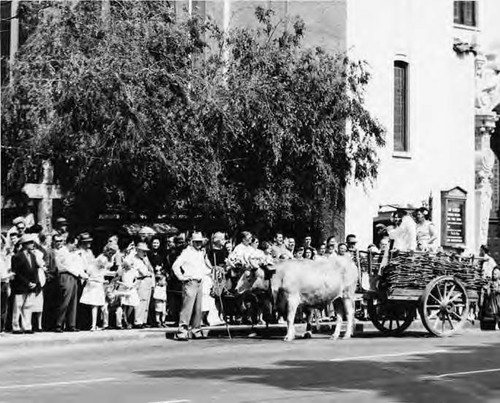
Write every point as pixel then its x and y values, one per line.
pixel 309 315
pixel 338 324
pixel 349 312
pixel 293 303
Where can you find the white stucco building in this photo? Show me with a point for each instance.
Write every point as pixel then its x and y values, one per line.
pixel 422 57
pixel 430 142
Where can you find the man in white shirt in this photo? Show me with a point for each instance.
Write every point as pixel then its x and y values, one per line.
pixel 145 282
pixel 70 269
pixel 190 268
pixel 405 235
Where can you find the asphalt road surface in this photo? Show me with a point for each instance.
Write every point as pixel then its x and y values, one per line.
pixel 368 368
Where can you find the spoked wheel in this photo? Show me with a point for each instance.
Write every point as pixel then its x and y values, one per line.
pixel 444 306
pixel 390 317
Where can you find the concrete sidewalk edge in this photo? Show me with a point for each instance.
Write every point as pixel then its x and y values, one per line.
pixel 9 341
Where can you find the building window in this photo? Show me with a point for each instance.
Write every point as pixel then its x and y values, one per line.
pixel 401 106
pixel 464 13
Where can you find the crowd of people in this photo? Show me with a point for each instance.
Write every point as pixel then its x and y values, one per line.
pixel 54 282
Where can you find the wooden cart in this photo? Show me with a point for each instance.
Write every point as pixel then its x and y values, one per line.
pixel 440 287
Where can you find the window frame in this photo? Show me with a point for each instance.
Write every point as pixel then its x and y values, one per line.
pixel 404 150
pixel 459 14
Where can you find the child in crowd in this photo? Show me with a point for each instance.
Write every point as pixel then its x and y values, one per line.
pixel 160 300
pixel 309 253
pixel 128 292
pixel 299 254
pixel 342 249
pixel 112 306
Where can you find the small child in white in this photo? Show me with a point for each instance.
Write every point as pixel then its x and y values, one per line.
pixel 112 306
pixel 160 299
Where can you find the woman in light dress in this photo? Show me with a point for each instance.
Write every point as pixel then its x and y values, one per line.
pixel 93 293
pixel 127 291
pixel 426 231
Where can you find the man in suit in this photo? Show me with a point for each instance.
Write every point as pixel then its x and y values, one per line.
pixel 51 290
pixel 24 285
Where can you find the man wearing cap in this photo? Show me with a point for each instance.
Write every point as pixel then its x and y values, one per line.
pixel 18 225
pixel 61 228
pixel 71 268
pixel 352 243
pixel 25 285
pixel 189 268
pixel 145 282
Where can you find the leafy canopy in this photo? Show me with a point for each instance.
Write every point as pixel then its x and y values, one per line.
pixel 166 114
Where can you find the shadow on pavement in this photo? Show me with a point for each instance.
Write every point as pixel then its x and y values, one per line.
pixel 395 378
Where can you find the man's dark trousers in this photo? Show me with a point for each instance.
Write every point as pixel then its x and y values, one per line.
pixel 69 301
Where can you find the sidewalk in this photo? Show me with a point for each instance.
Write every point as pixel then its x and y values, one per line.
pixel 9 340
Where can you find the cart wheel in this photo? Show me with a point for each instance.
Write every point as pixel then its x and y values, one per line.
pixel 444 306
pixel 390 317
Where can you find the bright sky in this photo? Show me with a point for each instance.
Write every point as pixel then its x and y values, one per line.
pixel 491 26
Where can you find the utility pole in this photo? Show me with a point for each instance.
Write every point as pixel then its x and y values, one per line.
pixel 14 35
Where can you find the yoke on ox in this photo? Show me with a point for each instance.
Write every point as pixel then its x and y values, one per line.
pixel 309 283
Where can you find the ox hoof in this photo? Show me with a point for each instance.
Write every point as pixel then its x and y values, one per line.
pixel 347 337
pixel 307 335
pixel 334 337
pixel 288 338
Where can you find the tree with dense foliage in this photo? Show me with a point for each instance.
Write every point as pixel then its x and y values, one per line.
pixel 165 114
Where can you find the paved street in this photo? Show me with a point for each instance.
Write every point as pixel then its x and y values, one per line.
pixel 368 368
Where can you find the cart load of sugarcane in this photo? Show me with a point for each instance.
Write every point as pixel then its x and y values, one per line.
pixel 414 270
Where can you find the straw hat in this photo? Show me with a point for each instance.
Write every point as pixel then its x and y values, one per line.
pixel 142 246
pixel 27 238
pixel 197 237
pixel 85 237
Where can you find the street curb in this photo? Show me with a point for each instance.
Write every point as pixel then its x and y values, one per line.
pixel 9 341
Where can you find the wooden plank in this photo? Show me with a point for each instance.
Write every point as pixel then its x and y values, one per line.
pixel 405 294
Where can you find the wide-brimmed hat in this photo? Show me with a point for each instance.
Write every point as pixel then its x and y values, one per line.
pixel 197 237
pixel 142 246
pixel 147 231
pixel 85 237
pixel 111 246
pixel 27 238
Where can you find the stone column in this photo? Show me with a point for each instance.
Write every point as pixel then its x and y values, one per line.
pixel 485 160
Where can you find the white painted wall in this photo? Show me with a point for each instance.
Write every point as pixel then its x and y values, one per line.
pixel 441 102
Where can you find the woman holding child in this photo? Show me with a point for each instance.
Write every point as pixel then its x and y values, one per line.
pixel 93 293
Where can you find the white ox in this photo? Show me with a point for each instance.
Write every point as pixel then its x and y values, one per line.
pixel 311 283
